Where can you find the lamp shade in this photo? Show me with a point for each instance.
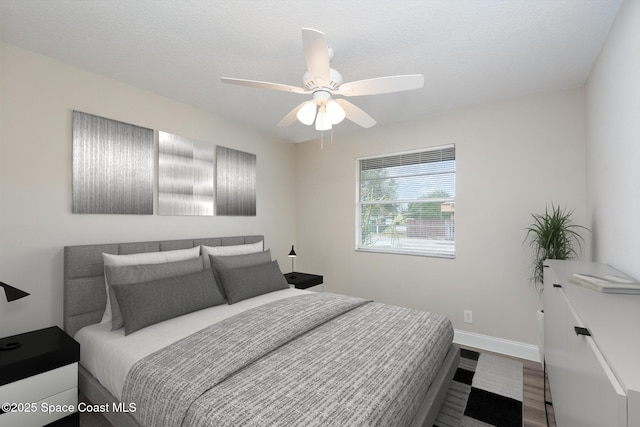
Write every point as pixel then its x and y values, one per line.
pixel 292 255
pixel 307 113
pixel 335 112
pixel 12 293
pixel 322 119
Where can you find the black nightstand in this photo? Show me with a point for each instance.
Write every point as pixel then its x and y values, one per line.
pixel 40 379
pixel 303 280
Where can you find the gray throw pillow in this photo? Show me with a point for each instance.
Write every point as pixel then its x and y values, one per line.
pixel 246 282
pixel 236 261
pixel 144 304
pixel 125 275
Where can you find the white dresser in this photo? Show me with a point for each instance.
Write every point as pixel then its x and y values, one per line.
pixel 592 349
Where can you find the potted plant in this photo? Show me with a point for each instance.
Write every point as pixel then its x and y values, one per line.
pixel 552 235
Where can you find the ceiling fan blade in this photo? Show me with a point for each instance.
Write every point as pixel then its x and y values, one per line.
pixel 291 117
pixel 381 85
pixel 355 114
pixel 316 55
pixel 263 85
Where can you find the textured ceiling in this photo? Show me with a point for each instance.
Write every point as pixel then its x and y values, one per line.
pixel 469 51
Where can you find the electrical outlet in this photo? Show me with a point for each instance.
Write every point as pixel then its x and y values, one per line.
pixel 468 316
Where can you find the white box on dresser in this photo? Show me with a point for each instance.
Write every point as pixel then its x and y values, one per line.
pixel 592 349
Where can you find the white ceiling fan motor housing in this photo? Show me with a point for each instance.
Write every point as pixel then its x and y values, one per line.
pixel 317 82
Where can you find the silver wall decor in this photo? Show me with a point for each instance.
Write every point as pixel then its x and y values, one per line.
pixel 185 176
pixel 112 166
pixel 235 182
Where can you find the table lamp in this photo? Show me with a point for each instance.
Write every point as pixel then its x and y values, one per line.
pixel 292 255
pixel 12 294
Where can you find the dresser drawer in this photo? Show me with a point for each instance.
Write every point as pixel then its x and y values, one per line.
pixel 43 412
pixel 41 399
pixel 592 386
pixel 40 386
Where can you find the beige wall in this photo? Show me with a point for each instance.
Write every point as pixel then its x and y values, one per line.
pixel 513 158
pixel 38 95
pixel 613 148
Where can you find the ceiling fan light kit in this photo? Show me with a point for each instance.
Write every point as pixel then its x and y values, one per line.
pixel 324 82
pixel 335 112
pixel 307 113
pixel 322 119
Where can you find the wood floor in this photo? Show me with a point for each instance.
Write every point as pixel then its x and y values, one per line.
pixel 534 402
pixel 533 393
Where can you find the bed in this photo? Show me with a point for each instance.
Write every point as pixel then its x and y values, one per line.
pixel 272 357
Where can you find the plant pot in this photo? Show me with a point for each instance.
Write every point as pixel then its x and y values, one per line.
pixel 540 321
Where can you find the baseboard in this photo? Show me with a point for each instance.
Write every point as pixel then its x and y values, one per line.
pixel 497 345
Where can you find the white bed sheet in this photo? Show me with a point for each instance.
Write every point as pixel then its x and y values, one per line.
pixel 109 355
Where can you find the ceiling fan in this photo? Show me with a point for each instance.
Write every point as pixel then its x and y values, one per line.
pixel 324 82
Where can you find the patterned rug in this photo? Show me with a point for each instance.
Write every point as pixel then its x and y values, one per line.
pixel 486 391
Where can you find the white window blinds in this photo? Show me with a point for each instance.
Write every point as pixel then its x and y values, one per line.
pixel 406 202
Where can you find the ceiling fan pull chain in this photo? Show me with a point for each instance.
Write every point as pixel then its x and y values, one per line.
pixel 321 140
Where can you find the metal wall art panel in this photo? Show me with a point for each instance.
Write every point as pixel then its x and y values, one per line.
pixel 185 176
pixel 112 166
pixel 235 182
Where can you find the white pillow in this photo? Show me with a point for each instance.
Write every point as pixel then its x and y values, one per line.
pixel 143 258
pixel 230 250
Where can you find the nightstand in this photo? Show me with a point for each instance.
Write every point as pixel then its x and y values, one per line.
pixel 40 379
pixel 310 282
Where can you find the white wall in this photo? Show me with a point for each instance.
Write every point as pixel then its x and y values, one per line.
pixel 513 158
pixel 38 95
pixel 613 148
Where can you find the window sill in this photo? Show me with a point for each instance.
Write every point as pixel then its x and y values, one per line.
pixel 431 254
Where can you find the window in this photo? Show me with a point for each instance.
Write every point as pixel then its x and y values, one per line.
pixel 406 202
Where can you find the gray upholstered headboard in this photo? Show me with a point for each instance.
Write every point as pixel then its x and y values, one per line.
pixel 85 296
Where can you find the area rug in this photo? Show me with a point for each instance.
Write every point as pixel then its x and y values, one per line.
pixel 486 391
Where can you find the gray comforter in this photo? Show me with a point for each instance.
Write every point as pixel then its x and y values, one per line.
pixel 313 360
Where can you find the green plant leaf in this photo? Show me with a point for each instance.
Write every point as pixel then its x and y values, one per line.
pixel 552 235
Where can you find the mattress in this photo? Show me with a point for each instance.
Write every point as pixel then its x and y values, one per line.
pixel 109 355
